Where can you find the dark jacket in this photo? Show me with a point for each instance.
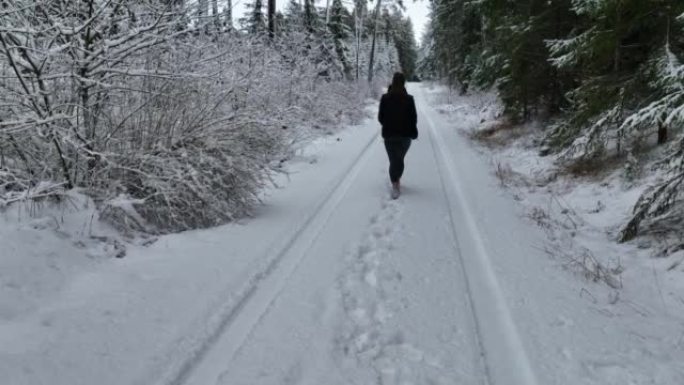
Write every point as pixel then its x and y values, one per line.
pixel 398 116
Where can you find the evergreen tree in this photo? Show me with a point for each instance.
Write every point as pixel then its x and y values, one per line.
pixel 405 42
pixel 310 16
pixel 500 42
pixel 293 16
pixel 611 54
pixel 340 32
pixel 448 34
pixel 426 67
pixel 255 22
pixel 667 110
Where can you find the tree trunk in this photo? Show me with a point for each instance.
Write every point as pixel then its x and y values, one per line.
pixel 662 133
pixel 327 12
pixel 618 40
pixel 202 11
pixel 358 32
pixel 375 30
pixel 88 107
pixel 215 15
pixel 271 18
pixel 228 15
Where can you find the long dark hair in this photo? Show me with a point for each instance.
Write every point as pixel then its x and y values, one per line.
pixel 398 84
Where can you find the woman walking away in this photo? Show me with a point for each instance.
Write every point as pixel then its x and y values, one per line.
pixel 399 126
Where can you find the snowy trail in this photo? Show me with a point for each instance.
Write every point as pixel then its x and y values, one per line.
pixel 151 317
pixel 235 322
pixel 402 308
pixel 371 301
pixel 334 283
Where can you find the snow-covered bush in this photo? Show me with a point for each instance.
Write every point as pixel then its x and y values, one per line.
pixel 170 119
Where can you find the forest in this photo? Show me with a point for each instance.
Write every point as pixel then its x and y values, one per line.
pixel 604 76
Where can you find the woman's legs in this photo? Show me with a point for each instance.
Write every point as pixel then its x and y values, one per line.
pixel 396 151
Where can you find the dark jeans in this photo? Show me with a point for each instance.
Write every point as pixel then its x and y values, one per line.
pixel 396 151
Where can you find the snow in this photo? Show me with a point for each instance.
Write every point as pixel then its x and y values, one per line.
pixel 631 333
pixel 331 282
pixel 44 247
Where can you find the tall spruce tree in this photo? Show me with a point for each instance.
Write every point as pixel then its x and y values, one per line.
pixel 293 15
pixel 310 16
pixel 255 22
pixel 340 33
pixel 405 42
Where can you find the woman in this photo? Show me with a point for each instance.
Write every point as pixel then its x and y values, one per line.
pixel 399 126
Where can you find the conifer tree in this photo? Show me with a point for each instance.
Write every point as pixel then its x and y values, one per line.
pixel 310 16
pixel 405 41
pixel 255 22
pixel 340 32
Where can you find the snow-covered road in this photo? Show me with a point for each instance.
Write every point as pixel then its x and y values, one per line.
pixel 372 289
pixel 334 283
pixel 377 290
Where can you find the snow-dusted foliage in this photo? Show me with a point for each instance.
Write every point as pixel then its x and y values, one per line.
pixel 168 117
pixel 617 110
pixel 566 53
pixel 669 109
pixel 621 56
pixel 662 202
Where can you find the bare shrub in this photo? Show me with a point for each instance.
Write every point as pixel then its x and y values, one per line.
pixel 497 133
pixel 508 177
pixel 595 271
pixel 504 173
pixel 492 128
pixel 594 168
pixel 44 191
pixel 540 217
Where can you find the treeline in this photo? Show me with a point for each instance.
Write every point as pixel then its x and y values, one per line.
pixel 355 34
pixel 606 75
pixel 165 111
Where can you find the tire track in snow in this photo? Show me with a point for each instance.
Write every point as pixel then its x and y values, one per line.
pixel 505 358
pixel 243 309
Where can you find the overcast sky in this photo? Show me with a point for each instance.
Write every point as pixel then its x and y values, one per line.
pixel 416 9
